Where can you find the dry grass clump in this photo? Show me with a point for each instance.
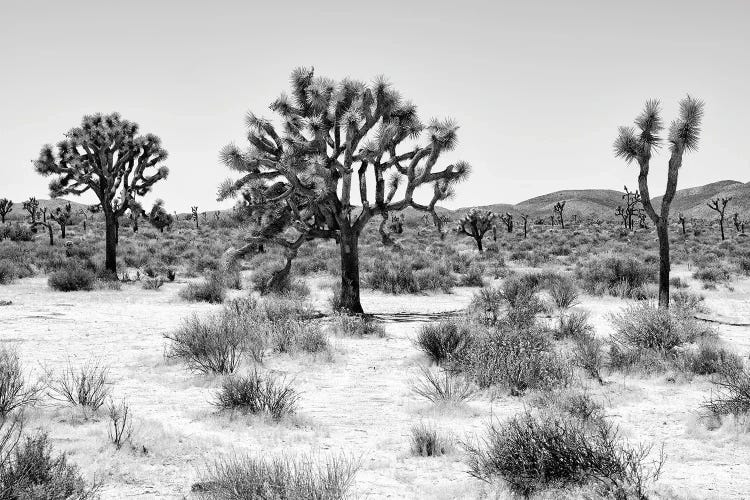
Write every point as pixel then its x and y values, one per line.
pixel 443 340
pixel 257 393
pixel 212 290
pixel 731 394
pixel 86 385
pixel 353 325
pixel 72 278
pixel 403 275
pixel 535 451
pixel 281 477
pixel 442 386
pixel 614 275
pixel 427 441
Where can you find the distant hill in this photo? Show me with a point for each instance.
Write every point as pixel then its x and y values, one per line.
pixel 19 213
pixel 602 203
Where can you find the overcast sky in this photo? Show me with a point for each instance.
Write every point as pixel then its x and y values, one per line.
pixel 538 88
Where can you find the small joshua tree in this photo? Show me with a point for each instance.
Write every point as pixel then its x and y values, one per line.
pixel 135 212
pixel 719 205
pixel 558 209
pixel 194 215
pixel 638 146
pixel 623 213
pixel 335 137
pixel 736 221
pixel 32 208
pixel 681 218
pixel 6 207
pixel 105 155
pixel 632 199
pixel 159 217
pixel 508 221
pixel 476 224
pixel 63 217
pixel 525 219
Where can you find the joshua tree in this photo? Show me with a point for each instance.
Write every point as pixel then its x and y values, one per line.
pixel 43 211
pixel 63 217
pixel 159 217
pixel 32 207
pixel 681 218
pixel 738 224
pixel 6 207
pixel 638 145
pixel 632 199
pixel 135 212
pixel 623 213
pixel 475 224
pixel 105 155
pixel 552 219
pixel 558 209
pixel 194 215
pixel 334 136
pixel 525 219
pixel 720 205
pixel 508 221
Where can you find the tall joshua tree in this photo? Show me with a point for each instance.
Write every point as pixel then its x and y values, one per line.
pixel 6 207
pixel 107 156
pixel 476 224
pixel 719 205
pixel 638 145
pixel 558 209
pixel 332 137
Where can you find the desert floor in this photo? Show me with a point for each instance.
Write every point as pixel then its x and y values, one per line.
pixel 358 402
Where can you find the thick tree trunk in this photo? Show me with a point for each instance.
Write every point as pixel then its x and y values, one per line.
pixel 480 247
pixel 664 266
pixel 62 231
pixel 721 225
pixel 110 260
pixel 349 246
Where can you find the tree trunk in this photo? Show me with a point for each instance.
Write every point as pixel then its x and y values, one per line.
pixel 721 225
pixel 663 233
pixel 51 235
pixel 62 231
pixel 349 246
pixel 480 247
pixel 110 260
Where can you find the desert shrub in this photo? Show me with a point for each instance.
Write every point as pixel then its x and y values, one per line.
pixel 473 276
pixel 535 451
pixel 712 274
pixel 614 274
pixel 486 305
pixel 72 278
pixel 575 403
pixel 573 325
pixel 686 302
pixel 645 335
pixel 86 385
pixel 261 280
pixel 18 233
pixel 589 355
pixel 313 340
pixel 731 392
pixel 518 359
pixel 335 299
pixel 257 393
pixel 442 386
pixel 356 326
pixel 677 282
pixel 152 283
pixel 211 345
pixel 743 263
pixel 444 339
pixel 32 471
pixel 15 390
pixel 279 478
pixel 120 423
pixel 426 441
pixel 564 293
pixel 709 357
pixel 11 270
pixel 212 290
pixel 401 277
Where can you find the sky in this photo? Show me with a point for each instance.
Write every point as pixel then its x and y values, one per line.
pixel 538 88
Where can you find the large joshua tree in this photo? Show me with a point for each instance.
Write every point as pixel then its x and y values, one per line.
pixel 638 144
pixel 331 138
pixel 107 156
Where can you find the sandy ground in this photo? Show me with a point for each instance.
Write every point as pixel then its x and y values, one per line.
pixel 358 403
